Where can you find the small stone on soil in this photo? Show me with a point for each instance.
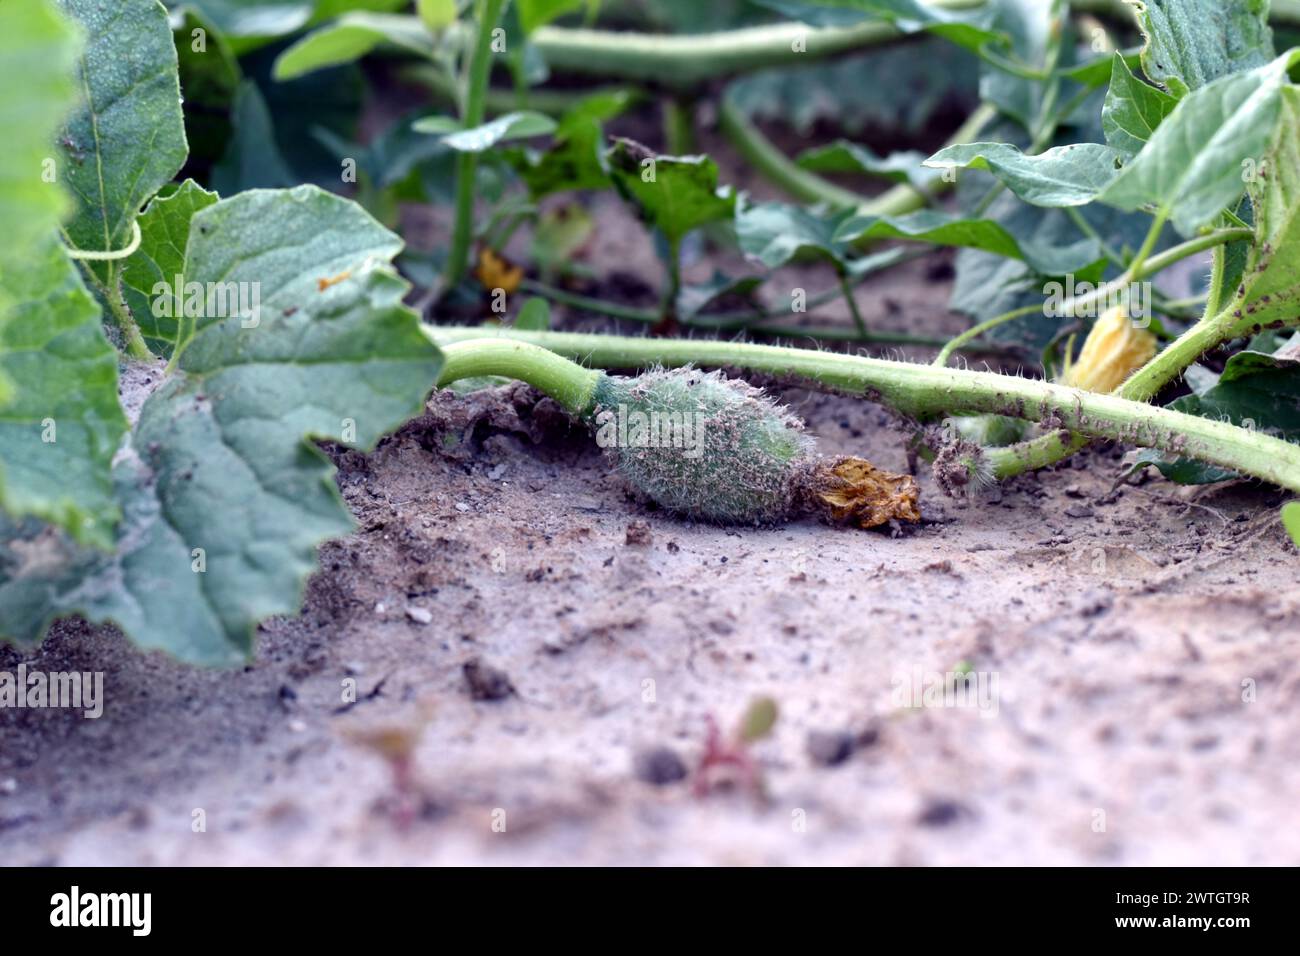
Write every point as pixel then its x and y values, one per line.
pixel 1079 511
pixel 830 748
pixel 942 812
pixel 419 615
pixel 486 682
pixel 660 766
pixel 869 736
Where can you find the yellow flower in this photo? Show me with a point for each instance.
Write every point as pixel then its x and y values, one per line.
pixel 495 272
pixel 1113 350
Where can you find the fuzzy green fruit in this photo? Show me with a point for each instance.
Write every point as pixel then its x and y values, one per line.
pixel 703 445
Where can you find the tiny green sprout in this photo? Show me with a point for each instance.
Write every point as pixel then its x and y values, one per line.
pixel 727 761
pixel 699 444
pixel 1291 520
pixel 759 720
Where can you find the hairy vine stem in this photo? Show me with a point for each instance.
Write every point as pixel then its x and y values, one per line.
pixel 570 384
pixel 924 390
pixel 685 60
pixel 1140 268
pixel 807 186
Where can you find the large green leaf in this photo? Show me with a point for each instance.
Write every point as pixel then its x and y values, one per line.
pixel 1270 285
pixel 1062 176
pixel 537 13
pixel 60 422
pixel 219 471
pixel 1191 169
pixel 251 23
pixel 911 85
pixel 504 129
pixel 1133 110
pixel 349 38
pixel 1032 30
pixel 1193 42
pixel 576 159
pixel 165 231
pixel 60 429
pixel 986 235
pixel 773 233
pixel 38 49
pixel 676 194
pixel 127 137
pixel 904 166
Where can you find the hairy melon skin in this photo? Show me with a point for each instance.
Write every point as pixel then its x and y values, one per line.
pixel 721 451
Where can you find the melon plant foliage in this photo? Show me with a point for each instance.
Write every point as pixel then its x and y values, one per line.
pixel 202 518
pixel 172 356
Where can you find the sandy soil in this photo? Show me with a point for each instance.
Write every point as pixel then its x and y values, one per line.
pixel 1143 638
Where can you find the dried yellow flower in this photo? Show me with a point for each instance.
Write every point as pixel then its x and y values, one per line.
pixel 496 272
pixel 853 489
pixel 1114 350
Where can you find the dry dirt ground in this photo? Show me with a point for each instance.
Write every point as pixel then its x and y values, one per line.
pixel 1143 640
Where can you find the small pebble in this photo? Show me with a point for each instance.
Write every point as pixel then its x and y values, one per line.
pixel 419 615
pixel 462 507
pixel 8 785
pixel 486 682
pixel 660 766
pixel 942 812
pixel 829 748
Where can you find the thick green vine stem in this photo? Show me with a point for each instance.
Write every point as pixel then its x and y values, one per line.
pixel 1143 385
pixel 133 340
pixel 435 80
pixel 685 60
pixel 924 390
pixel 1139 269
pixel 480 69
pixel 573 386
pixel 776 167
pixel 807 186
